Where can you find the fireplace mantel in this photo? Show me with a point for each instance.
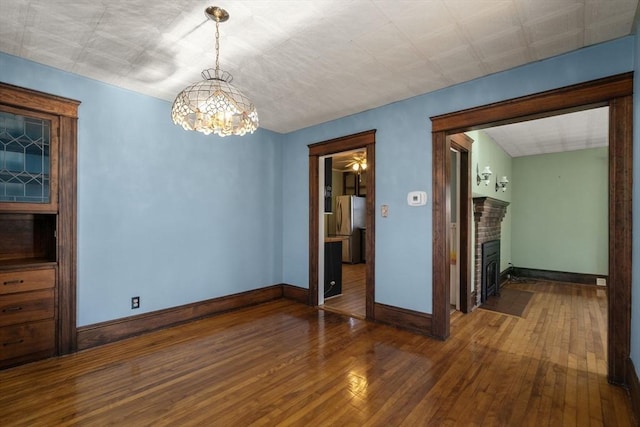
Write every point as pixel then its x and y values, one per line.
pixel 489 206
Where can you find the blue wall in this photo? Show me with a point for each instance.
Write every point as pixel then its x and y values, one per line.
pixel 403 164
pixel 172 216
pixel 177 217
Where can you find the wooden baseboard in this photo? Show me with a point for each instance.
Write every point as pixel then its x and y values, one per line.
pixel 295 293
pixel 114 330
pixel 504 276
pixel 402 318
pixel 557 276
pixel 634 390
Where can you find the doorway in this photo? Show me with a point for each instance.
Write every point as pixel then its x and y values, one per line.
pixel 344 283
pixel 363 142
pixel 460 253
pixel 614 92
pixel 454 235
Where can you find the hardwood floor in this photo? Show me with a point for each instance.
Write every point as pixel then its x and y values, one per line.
pixel 352 301
pixel 283 363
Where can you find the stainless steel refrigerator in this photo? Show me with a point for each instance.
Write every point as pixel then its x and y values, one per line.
pixel 350 220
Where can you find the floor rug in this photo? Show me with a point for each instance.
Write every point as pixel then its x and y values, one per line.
pixel 511 301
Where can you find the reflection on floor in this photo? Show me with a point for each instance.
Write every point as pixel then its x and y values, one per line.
pixel 352 300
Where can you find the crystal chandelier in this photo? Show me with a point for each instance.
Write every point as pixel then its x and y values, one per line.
pixel 214 104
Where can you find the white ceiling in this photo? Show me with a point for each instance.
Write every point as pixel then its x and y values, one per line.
pixel 567 132
pixel 304 62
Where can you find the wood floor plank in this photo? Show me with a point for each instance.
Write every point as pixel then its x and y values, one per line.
pixel 352 301
pixel 283 363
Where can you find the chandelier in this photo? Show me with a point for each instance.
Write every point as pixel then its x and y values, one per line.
pixel 214 104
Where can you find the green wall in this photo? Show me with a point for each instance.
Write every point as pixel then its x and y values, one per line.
pixel 560 211
pixel 485 152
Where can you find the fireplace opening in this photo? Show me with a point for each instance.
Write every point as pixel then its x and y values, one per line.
pixel 488 214
pixel 490 269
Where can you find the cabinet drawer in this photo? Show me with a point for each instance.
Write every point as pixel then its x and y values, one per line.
pixel 26 307
pixel 27 338
pixel 26 280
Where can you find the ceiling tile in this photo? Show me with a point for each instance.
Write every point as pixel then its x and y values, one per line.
pixel 554 26
pixel 440 42
pixel 506 60
pixel 598 33
pixel 531 11
pixel 497 44
pixel 384 37
pixel 455 58
pixel 416 18
pixel 328 58
pixel 557 45
pixel 466 72
pixel 573 131
pixel 496 17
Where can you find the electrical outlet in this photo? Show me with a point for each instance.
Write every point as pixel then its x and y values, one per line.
pixel 601 281
pixel 135 302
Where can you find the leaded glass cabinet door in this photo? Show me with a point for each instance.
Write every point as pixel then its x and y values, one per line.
pixel 28 160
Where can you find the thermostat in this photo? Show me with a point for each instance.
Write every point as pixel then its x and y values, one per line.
pixel 417 198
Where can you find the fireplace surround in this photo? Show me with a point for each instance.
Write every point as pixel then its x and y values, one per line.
pixel 488 214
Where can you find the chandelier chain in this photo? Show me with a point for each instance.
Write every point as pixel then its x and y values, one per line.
pixel 217 49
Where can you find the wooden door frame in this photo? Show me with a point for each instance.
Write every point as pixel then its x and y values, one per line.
pixel 462 143
pixel 356 141
pixel 615 92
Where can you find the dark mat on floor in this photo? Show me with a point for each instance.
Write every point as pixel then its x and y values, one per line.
pixel 510 301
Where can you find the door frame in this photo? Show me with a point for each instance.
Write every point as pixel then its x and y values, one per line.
pixel 356 141
pixel 462 144
pixel 616 93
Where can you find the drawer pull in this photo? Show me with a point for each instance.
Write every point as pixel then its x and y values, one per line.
pixel 13 282
pixel 11 309
pixel 5 344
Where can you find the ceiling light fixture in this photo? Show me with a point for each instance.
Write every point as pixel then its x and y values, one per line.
pixel 214 104
pixel 359 165
pixel 358 162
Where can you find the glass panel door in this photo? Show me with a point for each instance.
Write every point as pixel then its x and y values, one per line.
pixel 25 159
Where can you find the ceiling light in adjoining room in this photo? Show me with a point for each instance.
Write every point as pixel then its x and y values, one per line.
pixel 359 165
pixel 358 162
pixel 214 104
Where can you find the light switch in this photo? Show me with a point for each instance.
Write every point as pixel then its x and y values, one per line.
pixel 385 211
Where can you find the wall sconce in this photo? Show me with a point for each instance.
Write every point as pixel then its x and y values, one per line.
pixel 502 183
pixel 484 176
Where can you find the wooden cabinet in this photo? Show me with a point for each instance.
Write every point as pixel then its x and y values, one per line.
pixel 27 314
pixel 355 183
pixel 37 225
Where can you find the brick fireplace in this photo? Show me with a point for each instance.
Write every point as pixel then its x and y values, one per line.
pixel 488 214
